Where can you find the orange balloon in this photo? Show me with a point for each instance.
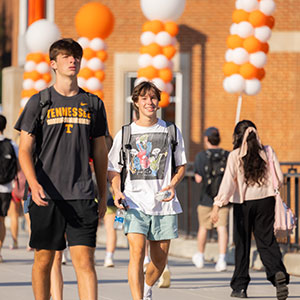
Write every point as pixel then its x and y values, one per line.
pixel 169 51
pixel 94 20
pixel 100 94
pixel 88 53
pixel 260 73
pixel 165 74
pixel 257 18
pixel 86 73
pixel 230 68
pixel 239 15
pixel 47 59
pixel 47 77
pixel 147 26
pixel 264 47
pixel 164 99
pixel 100 75
pixel 37 57
pixel 252 44
pixel 154 49
pixel 270 21
pixel 156 26
pixel 102 55
pixel 171 28
pixel 234 41
pixel 149 72
pixel 248 71
pixel 28 93
pixel 143 49
pixel 34 75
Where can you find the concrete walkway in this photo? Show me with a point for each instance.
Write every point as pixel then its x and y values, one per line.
pixel 188 282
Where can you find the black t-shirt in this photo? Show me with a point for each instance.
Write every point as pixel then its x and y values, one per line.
pixel 62 166
pixel 201 161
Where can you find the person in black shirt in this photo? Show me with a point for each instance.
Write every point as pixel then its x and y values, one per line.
pixel 62 194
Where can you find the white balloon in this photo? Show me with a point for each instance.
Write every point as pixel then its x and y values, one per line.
pixel 24 101
pixel 263 33
pixel 84 42
pixel 40 84
pixel 147 38
pixel 267 7
pixel 169 88
pixel 164 10
pixel 160 84
pixel 160 62
pixel 140 80
pixel 236 83
pixel 83 63
pixel 238 4
pixel 240 56
pixel 226 85
pixel 81 82
pixel 163 38
pixel 258 59
pixel 233 28
pixel 245 29
pixel 228 55
pixel 95 64
pixel 43 67
pixel 28 84
pixel 145 60
pixel 97 44
pixel 252 86
pixel 29 66
pixel 249 5
pixel 93 84
pixel 40 35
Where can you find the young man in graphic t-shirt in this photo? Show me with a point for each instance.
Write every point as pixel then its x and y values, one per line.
pixel 149 170
pixel 60 181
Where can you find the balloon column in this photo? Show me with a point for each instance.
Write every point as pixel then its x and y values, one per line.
pixel 248 47
pixel 94 23
pixel 158 44
pixel 39 36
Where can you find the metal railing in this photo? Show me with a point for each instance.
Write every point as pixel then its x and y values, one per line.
pixel 188 192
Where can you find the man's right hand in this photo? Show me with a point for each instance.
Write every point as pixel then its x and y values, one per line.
pixel 118 197
pixel 37 193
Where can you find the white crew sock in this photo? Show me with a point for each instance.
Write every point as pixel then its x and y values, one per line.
pixel 109 255
pixel 222 257
pixel 147 290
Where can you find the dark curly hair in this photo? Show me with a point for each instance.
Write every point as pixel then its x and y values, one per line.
pixel 255 167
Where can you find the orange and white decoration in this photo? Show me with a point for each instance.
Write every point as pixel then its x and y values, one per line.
pixel 94 23
pixel 248 47
pixel 159 44
pixel 37 76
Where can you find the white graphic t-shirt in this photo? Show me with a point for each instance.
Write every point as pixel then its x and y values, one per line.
pixel 149 167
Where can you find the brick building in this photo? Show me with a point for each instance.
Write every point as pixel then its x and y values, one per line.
pixel 200 98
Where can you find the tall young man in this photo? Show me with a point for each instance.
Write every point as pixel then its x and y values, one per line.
pixel 62 193
pixel 149 170
pixel 205 162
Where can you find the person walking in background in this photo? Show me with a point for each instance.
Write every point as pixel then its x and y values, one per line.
pixel 209 169
pixel 63 202
pixel 149 171
pixel 8 171
pixel 249 180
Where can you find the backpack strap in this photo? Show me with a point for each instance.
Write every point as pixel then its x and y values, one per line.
pixel 125 146
pixel 45 102
pixel 172 139
pixel 92 99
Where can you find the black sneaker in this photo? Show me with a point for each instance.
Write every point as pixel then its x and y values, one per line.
pixel 282 290
pixel 239 294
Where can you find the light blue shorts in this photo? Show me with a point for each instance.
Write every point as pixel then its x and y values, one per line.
pixel 155 228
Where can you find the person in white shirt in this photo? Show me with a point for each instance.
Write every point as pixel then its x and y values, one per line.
pixel 149 170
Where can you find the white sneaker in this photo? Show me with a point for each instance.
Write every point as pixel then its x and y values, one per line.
pixel 108 262
pixel 165 279
pixel 221 266
pixel 198 260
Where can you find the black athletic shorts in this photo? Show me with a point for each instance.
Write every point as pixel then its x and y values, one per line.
pixel 75 219
pixel 5 199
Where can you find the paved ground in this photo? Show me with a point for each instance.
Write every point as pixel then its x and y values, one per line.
pixel 188 283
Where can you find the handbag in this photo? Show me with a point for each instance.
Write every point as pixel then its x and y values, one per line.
pixel 285 221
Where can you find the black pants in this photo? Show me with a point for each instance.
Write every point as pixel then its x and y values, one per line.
pixel 256 216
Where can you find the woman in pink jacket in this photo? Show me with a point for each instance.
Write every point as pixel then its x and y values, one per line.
pixel 247 183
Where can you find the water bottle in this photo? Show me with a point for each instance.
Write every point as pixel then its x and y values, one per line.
pixel 119 219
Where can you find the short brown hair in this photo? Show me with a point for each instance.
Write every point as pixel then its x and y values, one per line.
pixel 65 46
pixel 141 90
